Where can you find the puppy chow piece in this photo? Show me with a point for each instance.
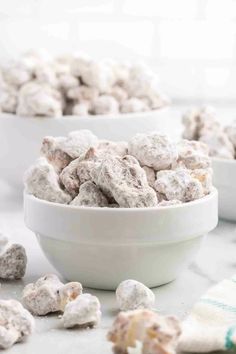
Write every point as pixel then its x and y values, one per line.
pixel 16 323
pixel 45 74
pixel 98 75
pixel 81 109
pixel 204 176
pixel 141 81
pixel 151 175
pixel 13 262
pixel 78 142
pixel 62 66
pixel 60 151
pixel 70 179
pixel 119 148
pixel 67 82
pixel 48 294
pixel 52 149
pixel 192 145
pixel 219 144
pixel 16 74
pixel 91 160
pixel 90 195
pixel 195 120
pixel 13 259
pixel 79 172
pixel 146 331
pixel 105 104
pixel 42 181
pixel 133 105
pixel 178 185
pixel 121 71
pixel 86 164
pixel 84 311
pixel 118 93
pixel 39 100
pixel 155 99
pixel 132 295
pixel 153 150
pixel 80 62
pixel 160 197
pixel 82 93
pixel 125 180
pixel 193 155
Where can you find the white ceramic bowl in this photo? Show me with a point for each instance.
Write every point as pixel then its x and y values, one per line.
pixel 224 179
pixel 20 137
pixel 100 247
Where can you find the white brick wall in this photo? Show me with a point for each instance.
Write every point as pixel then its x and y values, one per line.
pixel 191 43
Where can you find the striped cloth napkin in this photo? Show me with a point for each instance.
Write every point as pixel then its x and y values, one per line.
pixel 211 324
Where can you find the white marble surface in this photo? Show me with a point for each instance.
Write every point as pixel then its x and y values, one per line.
pixel 215 261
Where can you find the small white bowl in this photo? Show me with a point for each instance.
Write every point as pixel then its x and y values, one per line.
pixel 20 137
pixel 100 247
pixel 224 179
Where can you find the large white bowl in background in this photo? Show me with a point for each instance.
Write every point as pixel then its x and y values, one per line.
pixel 20 137
pixel 100 247
pixel 224 179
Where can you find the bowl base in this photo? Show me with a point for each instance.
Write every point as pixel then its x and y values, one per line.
pixel 104 266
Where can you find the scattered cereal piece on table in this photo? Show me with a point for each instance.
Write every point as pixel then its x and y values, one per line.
pixel 84 311
pixel 16 323
pixel 48 294
pixel 146 330
pixel 13 259
pixel 132 295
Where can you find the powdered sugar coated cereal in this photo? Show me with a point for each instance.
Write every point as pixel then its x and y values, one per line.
pixel 132 295
pixel 84 311
pixel 16 323
pixel 153 150
pixel 48 294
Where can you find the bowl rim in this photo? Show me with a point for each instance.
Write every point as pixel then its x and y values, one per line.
pixel 88 117
pixel 204 199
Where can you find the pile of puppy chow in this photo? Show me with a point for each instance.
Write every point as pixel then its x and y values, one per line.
pixel 147 171
pixel 202 124
pixel 37 85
